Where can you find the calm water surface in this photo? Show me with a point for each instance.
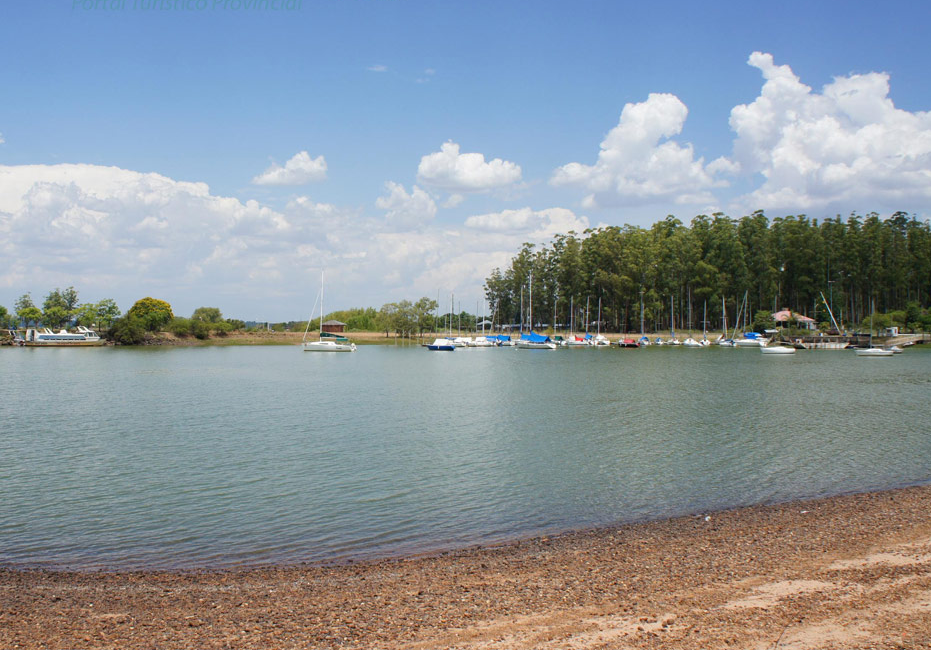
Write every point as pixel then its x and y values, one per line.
pixel 173 458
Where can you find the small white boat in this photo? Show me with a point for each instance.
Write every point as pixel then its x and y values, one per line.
pixel 324 344
pixel 777 349
pixel 874 352
pixel 871 351
pixel 481 342
pixel 600 341
pixel 442 345
pixel 673 341
pixel 328 345
pixel 691 343
pixel 462 341
pixel 895 349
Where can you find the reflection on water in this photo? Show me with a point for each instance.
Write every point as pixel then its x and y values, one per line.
pixel 245 455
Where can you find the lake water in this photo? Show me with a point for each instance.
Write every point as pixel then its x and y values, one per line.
pixel 223 456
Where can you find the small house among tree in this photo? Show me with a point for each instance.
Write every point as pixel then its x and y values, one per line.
pixel 334 326
pixel 786 318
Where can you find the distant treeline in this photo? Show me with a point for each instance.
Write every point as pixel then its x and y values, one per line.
pixel 782 263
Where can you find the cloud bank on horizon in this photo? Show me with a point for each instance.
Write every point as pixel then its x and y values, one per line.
pixel 123 233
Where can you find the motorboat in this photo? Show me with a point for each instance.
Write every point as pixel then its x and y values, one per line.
pixel 601 341
pixel 751 340
pixel 645 340
pixel 442 345
pixel 874 352
pixel 627 343
pixel 45 337
pixel 579 341
pixel 481 342
pixel 777 349
pixel 691 343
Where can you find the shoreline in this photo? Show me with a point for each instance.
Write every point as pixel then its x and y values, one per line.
pixel 833 572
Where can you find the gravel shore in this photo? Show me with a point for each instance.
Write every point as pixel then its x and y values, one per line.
pixel 845 572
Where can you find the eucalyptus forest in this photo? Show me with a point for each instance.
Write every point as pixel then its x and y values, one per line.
pixel 680 273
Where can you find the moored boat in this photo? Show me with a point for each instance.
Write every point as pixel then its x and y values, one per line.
pixel 874 352
pixel 441 345
pixel 534 341
pixel 777 349
pixel 45 337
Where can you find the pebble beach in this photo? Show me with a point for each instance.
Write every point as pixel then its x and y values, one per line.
pixel 843 572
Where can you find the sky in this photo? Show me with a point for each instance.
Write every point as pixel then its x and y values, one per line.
pixel 224 153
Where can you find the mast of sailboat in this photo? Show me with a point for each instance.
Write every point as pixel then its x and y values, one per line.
pixel 555 302
pixel 641 313
pixel 704 322
pixel 834 322
pixel 530 310
pixel 690 309
pixel 672 319
pixel 724 313
pixel 571 316
pixel 586 313
pixel 521 309
pixel 599 316
pixel 320 334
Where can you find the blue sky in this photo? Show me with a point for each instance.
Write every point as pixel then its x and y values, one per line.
pixel 212 155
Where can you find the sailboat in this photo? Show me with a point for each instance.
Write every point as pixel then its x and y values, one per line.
pixel 534 341
pixel 723 341
pixel 871 351
pixel 324 345
pixel 600 339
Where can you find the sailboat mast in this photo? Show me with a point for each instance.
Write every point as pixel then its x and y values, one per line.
pixel 321 304
pixel 555 302
pixel 641 313
pixel 531 302
pixel 586 313
pixel 599 315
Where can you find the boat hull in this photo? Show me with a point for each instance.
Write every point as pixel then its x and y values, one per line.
pixel 329 346
pixel 874 352
pixel 530 345
pixel 777 350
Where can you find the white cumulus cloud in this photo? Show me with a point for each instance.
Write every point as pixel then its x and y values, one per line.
pixel 406 211
pixel 538 225
pixel 299 170
pixel 639 163
pixel 847 147
pixel 460 173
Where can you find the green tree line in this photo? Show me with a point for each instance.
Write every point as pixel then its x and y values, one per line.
pixel 678 270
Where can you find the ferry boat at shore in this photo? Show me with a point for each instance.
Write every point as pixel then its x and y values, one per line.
pixel 47 338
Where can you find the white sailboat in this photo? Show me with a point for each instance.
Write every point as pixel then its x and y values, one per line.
pixel 871 351
pixel 324 345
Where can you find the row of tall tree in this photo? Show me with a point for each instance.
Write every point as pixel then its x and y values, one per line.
pixel 683 272
pixel 58 308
